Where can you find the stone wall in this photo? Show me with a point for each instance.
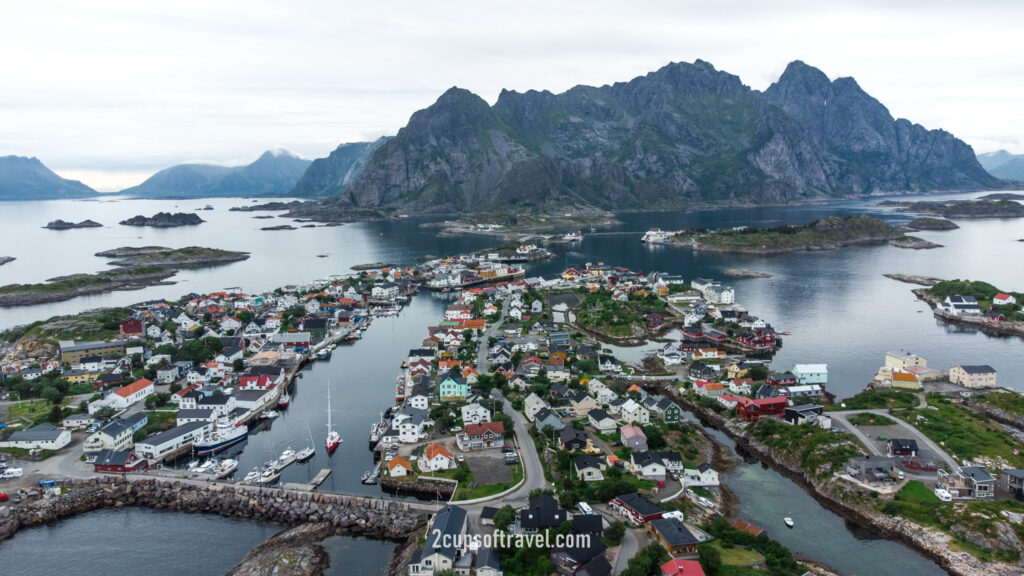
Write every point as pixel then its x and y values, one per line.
pixel 349 515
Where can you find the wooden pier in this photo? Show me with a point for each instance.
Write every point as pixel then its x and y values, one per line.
pixel 312 485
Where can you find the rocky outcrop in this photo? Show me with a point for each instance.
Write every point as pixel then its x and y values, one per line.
pixel 6 259
pixel 913 243
pixel 188 257
pixel 926 223
pixel 292 552
pixel 334 174
pixel 164 220
pixel 347 515
pixel 63 225
pixel 681 136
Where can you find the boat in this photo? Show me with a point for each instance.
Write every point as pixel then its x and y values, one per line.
pixel 304 454
pixel 207 467
pixel 269 476
pixel 191 467
pixel 224 434
pixel 573 236
pixel 284 400
pixel 269 414
pixel 253 476
pixel 377 430
pixel 369 477
pixel 333 438
pixel 324 353
pixel 287 457
pixel 788 521
pixel 226 468
pixel 656 236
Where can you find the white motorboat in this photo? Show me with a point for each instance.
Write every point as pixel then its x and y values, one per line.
pixel 227 467
pixel 788 521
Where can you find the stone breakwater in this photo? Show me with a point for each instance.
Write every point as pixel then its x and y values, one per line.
pixel 931 542
pixel 348 515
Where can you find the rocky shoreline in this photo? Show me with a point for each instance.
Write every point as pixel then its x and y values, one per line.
pixel 913 279
pixel 979 322
pixel 6 259
pixel 744 273
pixel 930 542
pixel 913 243
pixel 129 279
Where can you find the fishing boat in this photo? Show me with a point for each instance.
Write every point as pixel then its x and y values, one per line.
pixel 226 468
pixel 573 236
pixel 788 521
pixel 333 437
pixel 284 400
pixel 225 434
pixel 253 476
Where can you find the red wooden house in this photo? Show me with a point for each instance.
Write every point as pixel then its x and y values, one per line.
pixel 131 328
pixel 753 410
pixel 120 462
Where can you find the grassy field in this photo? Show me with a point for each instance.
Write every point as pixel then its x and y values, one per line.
pixel 1008 401
pixel 881 398
pixel 871 420
pixel 965 434
pixel 34 410
pixel 737 556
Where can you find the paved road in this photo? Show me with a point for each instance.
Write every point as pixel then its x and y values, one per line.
pixel 841 416
pixel 483 348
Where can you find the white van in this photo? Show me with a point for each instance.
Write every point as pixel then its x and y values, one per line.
pixel 943 495
pixel 11 473
pixel 585 508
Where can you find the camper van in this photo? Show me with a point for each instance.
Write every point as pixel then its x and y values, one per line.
pixel 11 473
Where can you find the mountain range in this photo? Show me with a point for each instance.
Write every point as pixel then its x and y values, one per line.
pixel 1004 165
pixel 684 135
pixel 28 179
pixel 274 173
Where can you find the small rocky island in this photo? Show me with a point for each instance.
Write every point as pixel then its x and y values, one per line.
pixel 927 223
pixel 137 268
pixel 164 220
pixel 913 243
pixel 960 208
pixel 6 259
pixel 280 227
pixel 744 273
pixel 268 206
pixel 63 225
pixel 825 234
pixel 189 257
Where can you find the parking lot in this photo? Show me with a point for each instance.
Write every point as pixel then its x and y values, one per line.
pixel 488 466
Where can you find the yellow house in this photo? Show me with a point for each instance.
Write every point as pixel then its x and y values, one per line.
pixel 81 376
pixel 736 371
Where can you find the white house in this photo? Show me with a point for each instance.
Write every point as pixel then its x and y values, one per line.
pixel 436 458
pixel 43 437
pixel 961 305
pixel 1003 299
pixel 703 475
pixel 634 412
pixel 398 467
pixel 475 413
pixel 532 405
pixel 601 421
pixel 158 446
pixel 811 373
pixel 124 397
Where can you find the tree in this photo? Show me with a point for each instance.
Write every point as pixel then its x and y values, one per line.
pixel 83 406
pixel 174 387
pixel 647 561
pixel 152 402
pixel 238 365
pixel 53 395
pixel 105 413
pixel 615 531
pixel 504 516
pixel 56 414
pixel 655 439
pixel 710 558
pixel 758 372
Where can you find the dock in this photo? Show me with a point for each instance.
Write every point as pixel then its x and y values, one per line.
pixel 312 485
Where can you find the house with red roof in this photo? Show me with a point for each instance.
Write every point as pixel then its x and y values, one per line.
pixel 677 567
pixel 753 409
pixel 1003 299
pixel 436 457
pixel 125 396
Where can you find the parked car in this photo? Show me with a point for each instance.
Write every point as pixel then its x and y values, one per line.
pixel 661 483
pixel 3 497
pixel 585 508
pixel 461 458
pixel 456 428
pixel 899 474
pixel 615 444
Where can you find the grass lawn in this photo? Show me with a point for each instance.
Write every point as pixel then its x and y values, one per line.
pixel 737 556
pixel 965 434
pixel 159 421
pixel 871 420
pixel 1008 401
pixel 35 410
pixel 819 452
pixel 76 389
pixel 877 399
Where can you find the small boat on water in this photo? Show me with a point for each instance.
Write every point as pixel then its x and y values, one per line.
pixel 284 400
pixel 286 458
pixel 253 476
pixel 304 454
pixel 369 477
pixel 269 476
pixel 324 353
pixel 269 414
pixel 226 468
pixel 207 467
pixel 573 236
pixel 788 521
pixel 333 437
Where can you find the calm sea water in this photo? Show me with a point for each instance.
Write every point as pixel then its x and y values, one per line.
pixel 839 307
pixel 166 543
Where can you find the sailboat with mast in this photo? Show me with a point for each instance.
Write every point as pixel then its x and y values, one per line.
pixel 333 437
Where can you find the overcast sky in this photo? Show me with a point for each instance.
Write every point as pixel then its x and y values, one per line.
pixel 110 92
